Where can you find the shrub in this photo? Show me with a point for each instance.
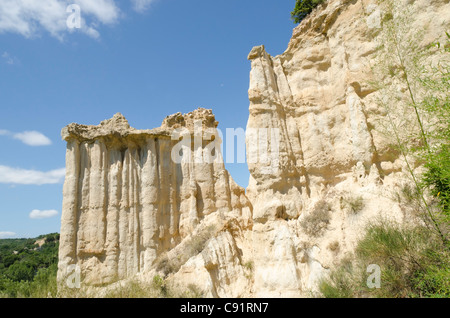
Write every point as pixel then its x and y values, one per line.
pixel 160 285
pixel 437 176
pixel 303 8
pixel 317 221
pixel 249 265
pixel 414 263
pixel 340 283
pixel 353 204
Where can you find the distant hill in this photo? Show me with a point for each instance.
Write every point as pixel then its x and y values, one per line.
pixel 28 266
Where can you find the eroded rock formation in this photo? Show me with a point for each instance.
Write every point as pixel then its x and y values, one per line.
pixel 128 199
pixel 129 208
pixel 319 98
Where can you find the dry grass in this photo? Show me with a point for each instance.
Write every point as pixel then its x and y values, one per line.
pixel 353 204
pixel 315 223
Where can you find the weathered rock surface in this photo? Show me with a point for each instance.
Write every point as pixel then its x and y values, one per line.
pixel 318 99
pixel 127 201
pixel 129 208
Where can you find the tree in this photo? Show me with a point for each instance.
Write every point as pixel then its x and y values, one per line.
pixel 303 8
pixel 20 272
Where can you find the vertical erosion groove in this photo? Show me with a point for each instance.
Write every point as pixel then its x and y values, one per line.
pixel 112 218
pixel 83 198
pixel 69 218
pixel 126 201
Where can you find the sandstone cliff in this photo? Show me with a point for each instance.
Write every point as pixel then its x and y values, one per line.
pixel 128 208
pixel 332 155
pixel 127 200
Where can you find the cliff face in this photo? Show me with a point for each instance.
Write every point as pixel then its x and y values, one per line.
pixel 129 197
pixel 332 151
pixel 319 96
pixel 320 170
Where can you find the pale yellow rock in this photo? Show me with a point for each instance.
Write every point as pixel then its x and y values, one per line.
pixel 314 144
pixel 126 201
pixel 317 94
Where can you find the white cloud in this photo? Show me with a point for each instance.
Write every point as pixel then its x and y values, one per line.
pixel 4 235
pixel 93 33
pixel 8 59
pixel 141 5
pixel 105 11
pixel 33 138
pixel 10 175
pixel 30 17
pixel 43 214
pixel 30 138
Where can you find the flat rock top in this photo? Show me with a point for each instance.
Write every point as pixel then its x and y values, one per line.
pixel 118 126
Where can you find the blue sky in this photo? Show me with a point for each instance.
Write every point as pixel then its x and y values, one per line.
pixel 144 58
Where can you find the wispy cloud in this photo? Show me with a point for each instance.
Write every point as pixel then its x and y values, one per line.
pixel 9 59
pixel 141 5
pixel 30 17
pixel 43 214
pixel 30 138
pixel 33 138
pixel 4 235
pixel 9 175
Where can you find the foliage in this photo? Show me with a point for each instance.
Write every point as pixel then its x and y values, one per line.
pixel 413 265
pixel 303 8
pixel 27 270
pixel 317 221
pixel 416 122
pixel 340 283
pixel 353 204
pixel 160 285
pixel 437 103
pixel 437 176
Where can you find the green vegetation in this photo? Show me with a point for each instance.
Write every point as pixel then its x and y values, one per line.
pixel 423 137
pixel 412 263
pixel 414 259
pixel 353 204
pixel 27 270
pixel 303 8
pixel 437 105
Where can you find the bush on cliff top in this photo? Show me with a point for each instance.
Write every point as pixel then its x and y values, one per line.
pixel 303 8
